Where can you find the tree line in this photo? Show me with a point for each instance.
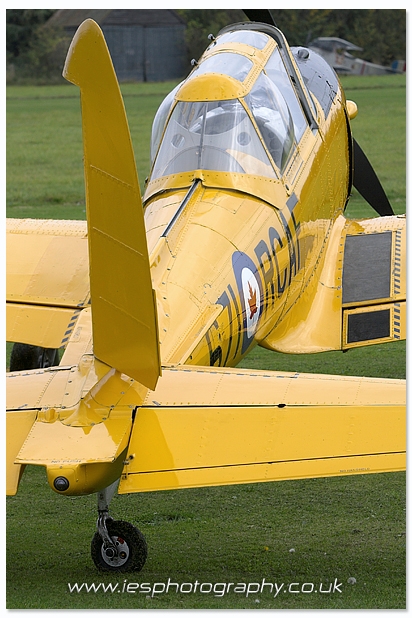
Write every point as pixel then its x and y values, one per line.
pixel 380 32
pixel 33 51
pixel 36 51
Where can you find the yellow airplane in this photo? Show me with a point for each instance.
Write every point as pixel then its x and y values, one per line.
pixel 240 240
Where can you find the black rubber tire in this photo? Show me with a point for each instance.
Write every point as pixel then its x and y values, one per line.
pixel 24 356
pixel 135 542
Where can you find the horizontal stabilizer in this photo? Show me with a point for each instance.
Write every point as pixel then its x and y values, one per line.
pixel 125 333
pixel 217 426
pixel 67 417
pixel 100 443
pixel 18 426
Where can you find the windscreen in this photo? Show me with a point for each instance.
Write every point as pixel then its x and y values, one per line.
pixel 211 135
pixel 160 121
pixel 225 63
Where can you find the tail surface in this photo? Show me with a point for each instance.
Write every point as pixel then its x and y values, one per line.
pixel 124 315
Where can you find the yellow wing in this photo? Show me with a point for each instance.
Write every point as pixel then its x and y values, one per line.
pixel 358 295
pixel 47 283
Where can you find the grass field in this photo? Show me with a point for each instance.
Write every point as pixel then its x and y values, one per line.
pixel 344 537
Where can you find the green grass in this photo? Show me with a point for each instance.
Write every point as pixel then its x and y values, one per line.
pixel 340 528
pixel 380 129
pixel 45 152
pixel 377 361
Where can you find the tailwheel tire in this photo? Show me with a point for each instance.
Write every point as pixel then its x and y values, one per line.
pixel 131 548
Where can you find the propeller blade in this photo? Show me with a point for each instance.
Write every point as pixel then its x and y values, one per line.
pixel 264 16
pixel 368 184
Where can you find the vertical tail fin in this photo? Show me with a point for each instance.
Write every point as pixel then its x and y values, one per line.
pixel 125 332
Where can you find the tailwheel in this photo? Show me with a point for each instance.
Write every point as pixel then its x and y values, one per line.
pixel 125 550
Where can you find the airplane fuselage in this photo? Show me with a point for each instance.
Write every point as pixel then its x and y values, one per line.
pixel 230 258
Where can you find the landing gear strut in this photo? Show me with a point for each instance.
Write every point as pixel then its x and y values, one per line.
pixel 117 545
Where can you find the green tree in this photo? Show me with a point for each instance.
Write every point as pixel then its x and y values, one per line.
pixel 35 51
pixel 202 22
pixel 380 32
pixel 383 35
pixel 22 26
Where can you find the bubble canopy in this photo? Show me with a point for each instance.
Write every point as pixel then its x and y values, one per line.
pixel 237 112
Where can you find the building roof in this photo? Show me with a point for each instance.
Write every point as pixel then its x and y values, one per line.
pixel 72 18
